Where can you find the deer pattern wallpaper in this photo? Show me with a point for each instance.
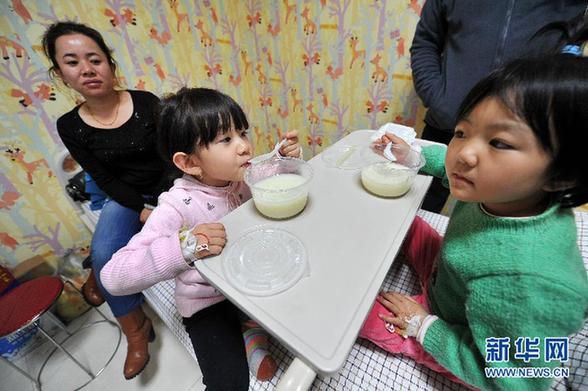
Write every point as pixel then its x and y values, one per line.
pixel 324 67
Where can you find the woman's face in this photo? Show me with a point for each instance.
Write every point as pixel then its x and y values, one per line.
pixel 83 65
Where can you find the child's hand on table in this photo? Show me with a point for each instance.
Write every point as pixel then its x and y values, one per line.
pixel 409 314
pixel 291 148
pixel 212 235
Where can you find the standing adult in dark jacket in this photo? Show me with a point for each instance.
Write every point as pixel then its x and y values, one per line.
pixel 458 42
pixel 112 136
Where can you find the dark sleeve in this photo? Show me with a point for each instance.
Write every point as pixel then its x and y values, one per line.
pixel 108 183
pixel 148 98
pixel 426 52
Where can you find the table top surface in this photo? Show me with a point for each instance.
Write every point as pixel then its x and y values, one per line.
pixel 351 238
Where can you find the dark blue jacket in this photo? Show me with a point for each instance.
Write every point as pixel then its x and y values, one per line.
pixel 458 42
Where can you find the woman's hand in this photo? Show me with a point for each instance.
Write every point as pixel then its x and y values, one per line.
pixel 211 234
pixel 403 309
pixel 144 215
pixel 291 148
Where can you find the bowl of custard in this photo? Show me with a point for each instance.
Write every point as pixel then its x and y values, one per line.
pixel 386 178
pixel 279 187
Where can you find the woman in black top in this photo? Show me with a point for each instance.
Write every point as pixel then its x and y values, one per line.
pixel 112 136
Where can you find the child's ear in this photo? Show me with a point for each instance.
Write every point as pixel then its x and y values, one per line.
pixel 187 163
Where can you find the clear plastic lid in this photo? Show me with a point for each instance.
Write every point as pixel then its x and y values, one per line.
pixel 353 157
pixel 265 261
pixel 346 157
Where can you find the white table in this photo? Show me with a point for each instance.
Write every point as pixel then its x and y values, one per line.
pixel 351 238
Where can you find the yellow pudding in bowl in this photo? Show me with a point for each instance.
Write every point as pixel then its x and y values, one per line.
pixel 277 197
pixel 279 186
pixel 387 179
pixel 390 176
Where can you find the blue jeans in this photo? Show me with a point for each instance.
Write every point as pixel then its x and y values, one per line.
pixel 116 226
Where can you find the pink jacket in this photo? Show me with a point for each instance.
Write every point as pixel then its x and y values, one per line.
pixel 155 255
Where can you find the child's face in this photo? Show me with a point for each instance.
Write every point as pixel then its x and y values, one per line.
pixel 494 158
pixel 225 159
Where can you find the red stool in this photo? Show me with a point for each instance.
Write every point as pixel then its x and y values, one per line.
pixel 25 304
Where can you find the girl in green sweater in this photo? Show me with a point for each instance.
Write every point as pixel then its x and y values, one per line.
pixel 507 285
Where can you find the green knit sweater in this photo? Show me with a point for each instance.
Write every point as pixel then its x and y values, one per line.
pixel 503 277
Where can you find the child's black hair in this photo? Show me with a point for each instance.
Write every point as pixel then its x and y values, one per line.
pixel 194 117
pixel 550 94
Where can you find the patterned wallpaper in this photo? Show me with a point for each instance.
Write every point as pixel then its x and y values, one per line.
pixel 325 67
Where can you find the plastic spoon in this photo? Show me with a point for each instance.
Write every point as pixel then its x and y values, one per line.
pixel 269 155
pixel 388 152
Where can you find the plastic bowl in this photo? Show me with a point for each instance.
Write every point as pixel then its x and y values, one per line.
pixel 392 179
pixel 279 186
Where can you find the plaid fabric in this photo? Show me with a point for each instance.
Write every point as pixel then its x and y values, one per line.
pixel 370 368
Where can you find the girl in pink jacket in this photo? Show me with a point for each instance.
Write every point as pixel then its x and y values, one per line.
pixel 203 132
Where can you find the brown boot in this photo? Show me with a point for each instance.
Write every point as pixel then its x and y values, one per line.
pixel 91 292
pixel 138 329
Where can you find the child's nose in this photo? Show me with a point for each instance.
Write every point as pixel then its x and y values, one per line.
pixel 244 147
pixel 468 155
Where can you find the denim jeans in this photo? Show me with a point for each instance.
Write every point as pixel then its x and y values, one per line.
pixel 116 226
